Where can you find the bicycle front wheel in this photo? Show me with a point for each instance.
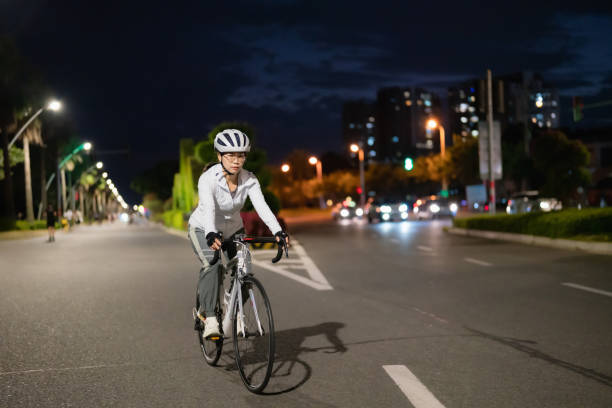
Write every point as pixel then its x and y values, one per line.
pixel 254 336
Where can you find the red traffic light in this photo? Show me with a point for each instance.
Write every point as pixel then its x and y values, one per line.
pixel 359 190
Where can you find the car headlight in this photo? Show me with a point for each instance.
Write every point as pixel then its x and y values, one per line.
pixel 545 205
pixel 359 212
pixel 404 215
pixel 344 213
pixel 385 208
pixel 386 216
pixel 403 208
pixel 434 208
pixel 454 207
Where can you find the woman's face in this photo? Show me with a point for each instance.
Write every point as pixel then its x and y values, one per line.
pixel 232 161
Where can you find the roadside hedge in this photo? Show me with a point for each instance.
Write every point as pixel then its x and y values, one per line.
pixel 558 224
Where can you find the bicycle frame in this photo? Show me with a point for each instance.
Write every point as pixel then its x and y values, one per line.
pixel 242 263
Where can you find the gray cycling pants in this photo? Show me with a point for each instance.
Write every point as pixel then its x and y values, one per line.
pixel 210 276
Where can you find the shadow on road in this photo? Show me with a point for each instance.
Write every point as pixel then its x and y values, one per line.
pixel 521 345
pixel 290 371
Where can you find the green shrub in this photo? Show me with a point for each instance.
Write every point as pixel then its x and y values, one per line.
pixel 558 224
pixel 24 225
pixel 175 219
pixel 7 224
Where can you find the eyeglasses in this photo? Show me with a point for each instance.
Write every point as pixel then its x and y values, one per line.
pixel 235 156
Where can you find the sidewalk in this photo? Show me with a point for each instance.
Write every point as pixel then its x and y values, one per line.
pixel 601 248
pixel 12 235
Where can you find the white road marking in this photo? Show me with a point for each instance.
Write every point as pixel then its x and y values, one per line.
pixel 588 289
pixel 316 279
pixel 425 248
pixel 477 262
pixel 413 389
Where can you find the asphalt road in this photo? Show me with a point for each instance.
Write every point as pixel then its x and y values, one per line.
pixel 386 315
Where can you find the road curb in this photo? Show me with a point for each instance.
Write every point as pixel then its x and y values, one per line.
pixel 601 248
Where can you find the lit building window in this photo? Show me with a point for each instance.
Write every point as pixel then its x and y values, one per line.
pixel 406 94
pixel 471 109
pixel 372 153
pixel 371 141
pixel 472 98
pixel 548 123
pixel 464 133
pixel 369 125
pixel 419 102
pixel 408 102
pixel 463 107
pixel 554 103
pixel 427 102
pixel 540 124
pixel 464 119
pixel 371 119
pixel 461 94
pixel 553 115
pixel 395 139
pixel 474 119
pixel 429 143
pixel 474 133
pixel 352 126
pixel 533 120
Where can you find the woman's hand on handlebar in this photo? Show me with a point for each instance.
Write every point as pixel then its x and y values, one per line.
pixel 282 238
pixel 213 240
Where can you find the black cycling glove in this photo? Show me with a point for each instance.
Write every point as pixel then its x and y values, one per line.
pixel 282 235
pixel 210 238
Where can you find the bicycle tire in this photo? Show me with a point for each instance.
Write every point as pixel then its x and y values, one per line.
pixel 211 349
pixel 254 352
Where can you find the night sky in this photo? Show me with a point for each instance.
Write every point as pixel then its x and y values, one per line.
pixel 145 74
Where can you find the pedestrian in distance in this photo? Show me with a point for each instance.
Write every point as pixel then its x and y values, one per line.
pixel 51 218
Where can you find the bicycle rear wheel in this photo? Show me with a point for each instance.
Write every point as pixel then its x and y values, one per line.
pixel 254 339
pixel 211 349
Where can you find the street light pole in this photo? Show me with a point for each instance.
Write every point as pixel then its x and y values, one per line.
pixel 358 149
pixel 433 124
pixel 319 168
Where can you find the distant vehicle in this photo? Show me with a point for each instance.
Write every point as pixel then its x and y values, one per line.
pixel 346 211
pixel 388 211
pixel 434 207
pixel 529 201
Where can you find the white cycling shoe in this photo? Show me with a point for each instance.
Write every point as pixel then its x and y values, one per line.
pixel 211 327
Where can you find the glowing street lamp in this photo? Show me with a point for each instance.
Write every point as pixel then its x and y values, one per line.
pixel 317 163
pixel 285 168
pixel 355 148
pixel 432 124
pixel 99 165
pixel 104 175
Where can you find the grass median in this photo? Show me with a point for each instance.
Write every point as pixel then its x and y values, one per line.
pixel 590 224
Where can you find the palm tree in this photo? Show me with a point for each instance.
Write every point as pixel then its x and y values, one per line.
pixel 31 135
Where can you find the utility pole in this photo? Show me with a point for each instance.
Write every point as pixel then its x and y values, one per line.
pixel 490 123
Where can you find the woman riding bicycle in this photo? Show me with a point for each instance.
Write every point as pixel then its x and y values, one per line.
pixel 222 189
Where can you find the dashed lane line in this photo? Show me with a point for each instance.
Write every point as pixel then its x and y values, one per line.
pixel 478 262
pixel 413 389
pixel 588 289
pixel 425 248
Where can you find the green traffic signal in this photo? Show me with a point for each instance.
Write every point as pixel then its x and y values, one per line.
pixel 408 164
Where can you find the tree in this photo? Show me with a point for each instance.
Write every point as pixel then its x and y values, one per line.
pixel 561 164
pixel 15 157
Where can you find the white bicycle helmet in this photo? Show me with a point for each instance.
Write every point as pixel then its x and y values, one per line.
pixel 232 140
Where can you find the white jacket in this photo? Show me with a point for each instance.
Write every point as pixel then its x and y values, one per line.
pixel 217 211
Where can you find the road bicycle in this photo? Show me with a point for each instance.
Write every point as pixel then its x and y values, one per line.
pixel 246 312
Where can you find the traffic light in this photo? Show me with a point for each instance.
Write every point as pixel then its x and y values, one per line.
pixel 408 164
pixel 359 190
pixel 577 106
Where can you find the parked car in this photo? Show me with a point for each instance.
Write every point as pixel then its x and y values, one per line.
pixel 529 201
pixel 434 207
pixel 388 211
